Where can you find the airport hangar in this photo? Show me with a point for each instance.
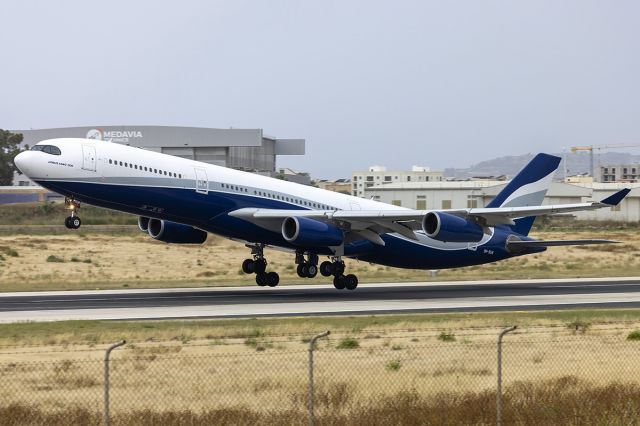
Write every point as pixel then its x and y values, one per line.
pixel 242 149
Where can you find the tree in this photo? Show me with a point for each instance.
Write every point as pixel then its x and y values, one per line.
pixel 9 148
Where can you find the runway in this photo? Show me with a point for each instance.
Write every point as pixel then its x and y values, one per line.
pixel 378 298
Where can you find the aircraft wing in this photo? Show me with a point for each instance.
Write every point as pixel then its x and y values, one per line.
pixel 370 224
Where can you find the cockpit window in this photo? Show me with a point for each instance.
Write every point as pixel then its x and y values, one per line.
pixel 49 149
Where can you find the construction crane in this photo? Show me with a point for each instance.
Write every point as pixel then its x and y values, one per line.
pixel 591 148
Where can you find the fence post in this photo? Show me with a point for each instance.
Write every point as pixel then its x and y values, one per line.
pixel 312 344
pixel 106 379
pixel 499 392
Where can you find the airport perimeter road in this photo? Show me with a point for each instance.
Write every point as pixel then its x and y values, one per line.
pixel 320 299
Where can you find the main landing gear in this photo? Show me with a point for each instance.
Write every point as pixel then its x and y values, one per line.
pixel 258 266
pixel 307 268
pixel 73 221
pixel 336 268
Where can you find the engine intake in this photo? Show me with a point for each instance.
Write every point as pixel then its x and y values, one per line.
pixel 307 232
pixel 450 228
pixel 143 223
pixel 176 233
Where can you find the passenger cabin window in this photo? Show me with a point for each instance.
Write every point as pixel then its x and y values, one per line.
pixel 48 149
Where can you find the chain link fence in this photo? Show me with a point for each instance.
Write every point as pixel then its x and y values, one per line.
pixel 549 376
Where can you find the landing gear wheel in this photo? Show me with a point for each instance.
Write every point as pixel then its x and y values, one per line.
pixel 76 222
pixel 351 282
pixel 259 266
pixel 312 271
pixel 273 279
pixel 72 222
pixel 337 268
pixel 339 282
pixel 326 268
pixel 261 279
pixel 300 270
pixel 247 266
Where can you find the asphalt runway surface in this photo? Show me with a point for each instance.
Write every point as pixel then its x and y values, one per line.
pixel 320 299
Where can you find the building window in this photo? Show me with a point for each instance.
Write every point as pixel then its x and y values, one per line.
pixel 387 178
pixel 472 203
pixel 408 178
pixel 110 161
pixel 615 208
pixel 421 204
pixel 396 202
pixel 369 178
pixel 446 204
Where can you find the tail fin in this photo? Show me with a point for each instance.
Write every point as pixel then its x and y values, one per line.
pixel 528 188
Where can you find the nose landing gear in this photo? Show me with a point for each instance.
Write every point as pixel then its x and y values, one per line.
pixel 73 221
pixel 258 266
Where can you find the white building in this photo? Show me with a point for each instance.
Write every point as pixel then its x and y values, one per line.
pixel 378 175
pixel 470 194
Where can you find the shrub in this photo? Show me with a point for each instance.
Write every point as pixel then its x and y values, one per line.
pixel 447 337
pixel 394 365
pixel 579 326
pixel 348 343
pixel 54 258
pixel 634 335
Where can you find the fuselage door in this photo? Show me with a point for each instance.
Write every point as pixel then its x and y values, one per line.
pixel 202 183
pixel 89 157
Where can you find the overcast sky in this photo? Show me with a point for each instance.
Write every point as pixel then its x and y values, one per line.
pixel 397 83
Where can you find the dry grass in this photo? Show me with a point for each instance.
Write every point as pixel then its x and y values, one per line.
pixel 566 400
pixel 226 373
pixel 92 260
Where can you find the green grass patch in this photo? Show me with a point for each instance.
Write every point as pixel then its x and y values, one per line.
pixel 447 336
pixel 634 335
pixel 348 343
pixel 55 259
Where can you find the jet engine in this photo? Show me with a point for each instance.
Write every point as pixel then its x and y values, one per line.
pixel 172 232
pixel 450 228
pixel 306 232
pixel 143 223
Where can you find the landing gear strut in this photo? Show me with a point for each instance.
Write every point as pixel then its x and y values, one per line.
pixel 73 221
pixel 258 265
pixel 336 268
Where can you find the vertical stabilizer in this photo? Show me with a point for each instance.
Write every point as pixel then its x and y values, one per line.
pixel 528 188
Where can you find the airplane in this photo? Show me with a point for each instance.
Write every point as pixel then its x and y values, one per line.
pixel 180 201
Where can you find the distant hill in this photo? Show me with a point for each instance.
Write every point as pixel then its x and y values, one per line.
pixel 576 164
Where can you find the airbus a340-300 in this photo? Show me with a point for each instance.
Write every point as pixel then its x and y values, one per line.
pixel 179 201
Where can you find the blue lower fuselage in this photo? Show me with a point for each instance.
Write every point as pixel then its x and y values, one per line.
pixel 209 212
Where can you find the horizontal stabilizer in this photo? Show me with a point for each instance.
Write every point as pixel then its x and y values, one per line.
pixel 551 243
pixel 614 200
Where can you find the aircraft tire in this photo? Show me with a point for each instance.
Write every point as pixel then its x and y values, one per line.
pixel 67 222
pixel 261 279
pixel 351 282
pixel 326 268
pixel 247 266
pixel 339 282
pixel 75 222
pixel 273 279
pixel 259 266
pixel 300 270
pixel 312 271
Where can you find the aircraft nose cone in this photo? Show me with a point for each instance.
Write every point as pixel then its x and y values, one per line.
pixel 25 163
pixel 19 161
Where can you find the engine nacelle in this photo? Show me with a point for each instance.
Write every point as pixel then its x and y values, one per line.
pixel 143 223
pixel 450 228
pixel 176 233
pixel 306 232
